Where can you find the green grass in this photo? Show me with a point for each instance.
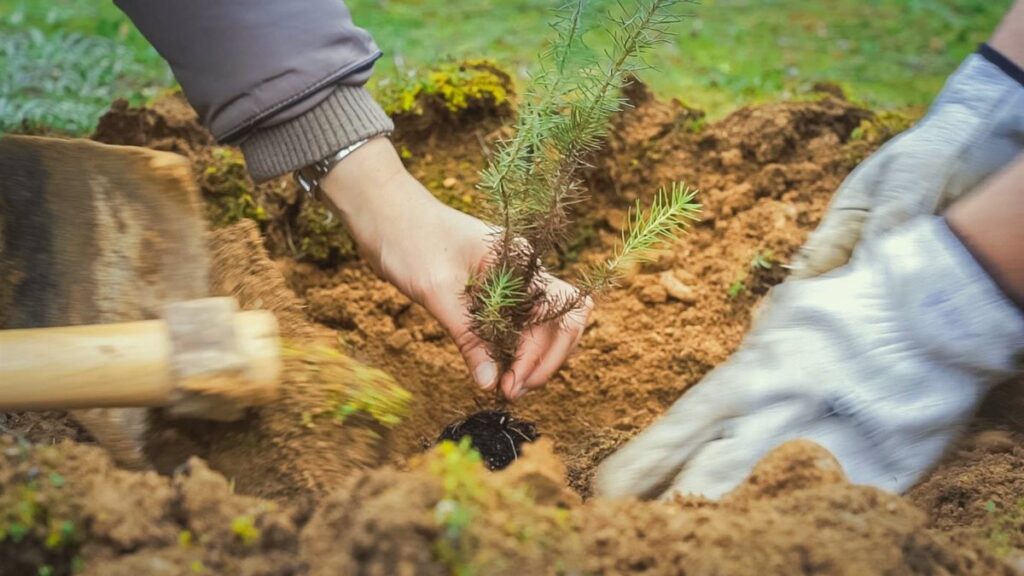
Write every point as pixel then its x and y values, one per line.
pixel 63 61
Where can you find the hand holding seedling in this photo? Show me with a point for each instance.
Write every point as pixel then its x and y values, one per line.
pixel 429 250
pixel 514 323
pixel 883 359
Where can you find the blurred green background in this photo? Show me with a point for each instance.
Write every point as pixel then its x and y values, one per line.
pixel 63 61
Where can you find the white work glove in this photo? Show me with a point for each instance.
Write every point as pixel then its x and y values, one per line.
pixel 856 360
pixel 879 361
pixel 974 128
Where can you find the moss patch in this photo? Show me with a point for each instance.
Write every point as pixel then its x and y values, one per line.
pixel 453 87
pixel 39 526
pixel 227 189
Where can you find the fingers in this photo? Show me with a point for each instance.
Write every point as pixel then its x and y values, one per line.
pixel 721 464
pixel 832 243
pixel 450 311
pixel 545 348
pixel 567 337
pixel 646 465
pixel 480 365
pixel 513 382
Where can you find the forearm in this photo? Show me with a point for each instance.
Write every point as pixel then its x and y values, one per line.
pixel 1008 39
pixel 990 222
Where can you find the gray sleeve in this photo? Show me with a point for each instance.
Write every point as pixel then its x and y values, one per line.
pixel 282 79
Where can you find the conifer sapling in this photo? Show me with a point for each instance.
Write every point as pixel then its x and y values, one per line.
pixel 532 180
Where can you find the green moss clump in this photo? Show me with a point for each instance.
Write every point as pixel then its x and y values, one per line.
pixel 884 125
pixel 480 514
pixel 1006 527
pixel 37 519
pixel 244 528
pixel 460 470
pixel 227 189
pixel 455 86
pixel 322 237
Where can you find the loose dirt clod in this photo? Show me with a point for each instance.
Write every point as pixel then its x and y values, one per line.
pixel 495 434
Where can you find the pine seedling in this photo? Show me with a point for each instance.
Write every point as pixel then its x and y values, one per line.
pixel 532 181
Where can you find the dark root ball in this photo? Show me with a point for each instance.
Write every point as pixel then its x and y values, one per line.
pixel 495 434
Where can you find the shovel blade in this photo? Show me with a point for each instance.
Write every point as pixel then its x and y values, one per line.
pixel 92 233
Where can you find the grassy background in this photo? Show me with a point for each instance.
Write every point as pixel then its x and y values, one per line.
pixel 63 61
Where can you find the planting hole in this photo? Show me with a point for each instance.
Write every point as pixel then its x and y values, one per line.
pixel 495 434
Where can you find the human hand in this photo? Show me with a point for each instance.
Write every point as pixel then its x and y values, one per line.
pixel 880 361
pixel 856 360
pixel 974 127
pixel 427 250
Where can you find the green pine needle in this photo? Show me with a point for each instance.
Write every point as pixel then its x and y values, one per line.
pixel 501 290
pixel 670 213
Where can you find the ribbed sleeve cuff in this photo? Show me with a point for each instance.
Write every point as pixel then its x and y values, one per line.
pixel 345 117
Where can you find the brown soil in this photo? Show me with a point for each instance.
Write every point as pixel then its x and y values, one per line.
pixel 447 514
pixel 381 507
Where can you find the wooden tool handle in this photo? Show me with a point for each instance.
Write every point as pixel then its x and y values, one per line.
pixel 127 364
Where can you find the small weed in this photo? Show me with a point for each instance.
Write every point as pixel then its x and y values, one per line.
pixel 61 533
pixel 35 515
pixel 465 513
pixel 460 469
pixel 763 260
pixel 1004 525
pixel 244 528
pixel 736 288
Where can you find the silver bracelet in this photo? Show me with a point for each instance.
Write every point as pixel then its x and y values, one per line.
pixel 309 176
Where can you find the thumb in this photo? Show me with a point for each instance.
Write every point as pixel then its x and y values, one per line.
pixel 451 312
pixel 831 245
pixel 479 362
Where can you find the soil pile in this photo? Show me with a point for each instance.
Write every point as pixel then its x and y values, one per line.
pixel 447 514
pixel 766 175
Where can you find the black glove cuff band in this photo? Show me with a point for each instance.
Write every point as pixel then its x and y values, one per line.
pixel 1002 62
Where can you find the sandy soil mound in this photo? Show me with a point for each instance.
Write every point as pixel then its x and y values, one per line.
pixel 447 514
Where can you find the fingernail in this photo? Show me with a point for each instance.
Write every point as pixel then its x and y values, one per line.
pixel 519 393
pixel 485 374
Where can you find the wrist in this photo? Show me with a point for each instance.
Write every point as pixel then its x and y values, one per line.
pixel 948 302
pixel 371 189
pixel 398 224
pixel 1008 39
pixel 354 185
